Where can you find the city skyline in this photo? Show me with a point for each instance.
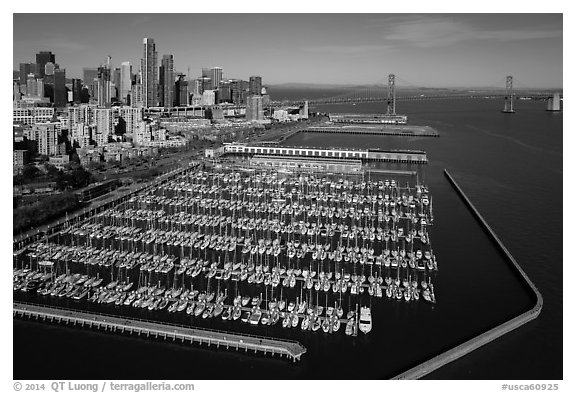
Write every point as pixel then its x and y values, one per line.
pixel 432 50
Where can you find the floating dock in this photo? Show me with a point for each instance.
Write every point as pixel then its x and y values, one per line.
pixel 494 333
pixel 290 349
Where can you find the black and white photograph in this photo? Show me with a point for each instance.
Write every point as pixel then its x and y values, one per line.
pixel 304 197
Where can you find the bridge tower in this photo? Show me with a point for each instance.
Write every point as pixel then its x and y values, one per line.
pixel 509 98
pixel 391 105
pixel 553 103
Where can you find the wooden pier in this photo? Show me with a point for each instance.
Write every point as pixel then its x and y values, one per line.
pixel 494 333
pixel 249 343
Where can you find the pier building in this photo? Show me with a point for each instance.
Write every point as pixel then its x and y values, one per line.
pixel 365 155
pixel 368 118
pixel 303 164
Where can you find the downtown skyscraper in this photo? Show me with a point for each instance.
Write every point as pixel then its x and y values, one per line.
pixel 167 81
pixel 255 85
pixel 41 59
pixel 216 76
pixel 149 72
pixel 125 81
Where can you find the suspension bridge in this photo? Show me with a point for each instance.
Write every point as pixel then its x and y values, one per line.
pixel 390 94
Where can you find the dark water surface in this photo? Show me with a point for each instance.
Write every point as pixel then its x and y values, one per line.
pixel 510 166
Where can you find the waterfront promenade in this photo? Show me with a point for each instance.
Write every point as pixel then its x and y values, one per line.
pixel 214 338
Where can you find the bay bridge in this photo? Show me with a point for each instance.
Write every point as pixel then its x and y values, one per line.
pixel 389 94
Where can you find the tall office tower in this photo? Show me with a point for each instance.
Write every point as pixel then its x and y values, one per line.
pixel 49 69
pixel 89 75
pixel 167 81
pixel 255 85
pixel 60 92
pixel 254 108
pixel 137 95
pixel 224 92
pixel 181 92
pixel 104 87
pixel 125 81
pixel 16 93
pixel 216 75
pixel 25 70
pixel 34 87
pixel 76 91
pixel 206 84
pixel 198 87
pixel 236 90
pixel 31 86
pixel 149 70
pixel 116 80
pixel 41 59
pixel 206 72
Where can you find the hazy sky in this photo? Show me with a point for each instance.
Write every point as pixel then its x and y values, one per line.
pixel 432 50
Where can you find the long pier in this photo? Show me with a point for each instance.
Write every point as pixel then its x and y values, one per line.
pixel 284 348
pixel 379 130
pixel 494 333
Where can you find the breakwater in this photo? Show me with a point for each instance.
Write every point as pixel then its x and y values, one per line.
pixel 494 333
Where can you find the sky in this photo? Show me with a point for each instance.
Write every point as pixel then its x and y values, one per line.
pixel 429 50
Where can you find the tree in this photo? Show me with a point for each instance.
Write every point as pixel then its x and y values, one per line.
pixel 95 165
pixel 51 170
pixel 30 171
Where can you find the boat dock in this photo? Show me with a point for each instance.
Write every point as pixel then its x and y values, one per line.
pixel 284 348
pixel 494 333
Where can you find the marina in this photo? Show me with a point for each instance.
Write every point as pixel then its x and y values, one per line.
pixel 269 248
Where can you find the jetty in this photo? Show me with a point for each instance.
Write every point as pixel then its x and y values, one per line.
pixel 249 343
pixel 487 337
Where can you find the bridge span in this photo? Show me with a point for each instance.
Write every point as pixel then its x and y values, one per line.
pixel 421 97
